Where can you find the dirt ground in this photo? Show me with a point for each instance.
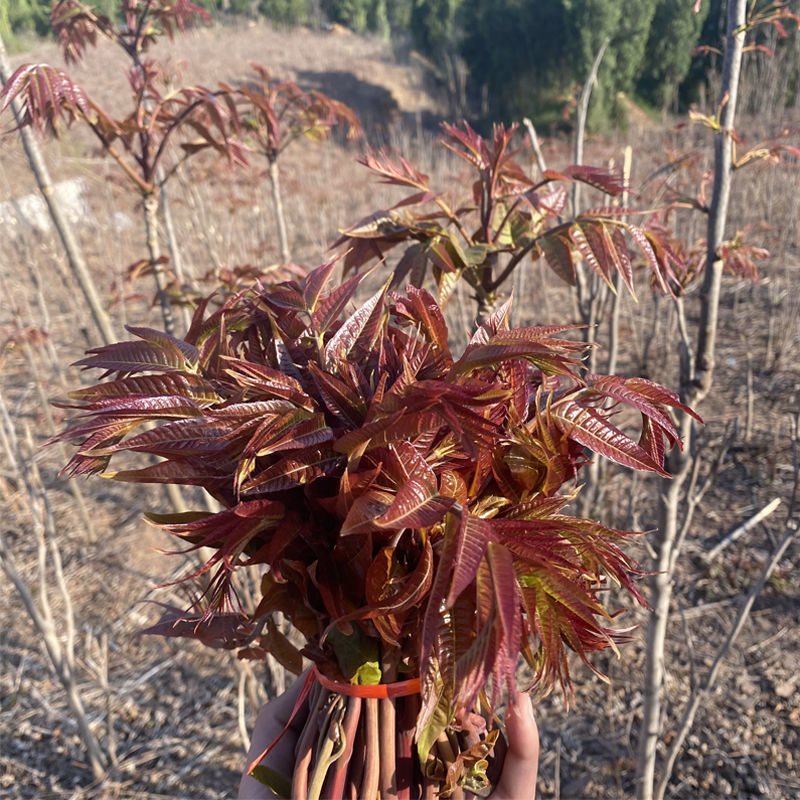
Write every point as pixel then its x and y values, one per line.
pixel 174 713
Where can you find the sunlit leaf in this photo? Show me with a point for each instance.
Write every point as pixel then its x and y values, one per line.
pixel 474 535
pixel 558 255
pixel 593 430
pixel 347 335
pixel 414 506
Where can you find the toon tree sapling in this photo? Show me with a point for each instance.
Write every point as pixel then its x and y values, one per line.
pixel 166 124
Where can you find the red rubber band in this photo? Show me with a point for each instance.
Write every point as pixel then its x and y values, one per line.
pixel 378 691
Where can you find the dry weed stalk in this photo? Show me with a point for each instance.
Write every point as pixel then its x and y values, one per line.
pixel 700 694
pixel 52 365
pixel 61 656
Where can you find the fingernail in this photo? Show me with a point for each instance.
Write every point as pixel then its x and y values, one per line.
pixel 525 698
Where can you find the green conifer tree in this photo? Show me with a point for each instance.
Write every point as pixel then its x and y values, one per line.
pixel 285 12
pixel 668 55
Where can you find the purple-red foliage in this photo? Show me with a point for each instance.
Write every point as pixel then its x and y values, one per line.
pixel 398 493
pixel 503 213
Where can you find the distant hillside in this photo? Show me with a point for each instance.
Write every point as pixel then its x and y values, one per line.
pixel 360 71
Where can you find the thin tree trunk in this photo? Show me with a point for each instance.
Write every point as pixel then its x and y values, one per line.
pixel 613 331
pixel 283 238
pixel 537 150
pixel 485 295
pixel 661 593
pixel 585 287
pixel 77 264
pixel 172 243
pixel 580 123
pixel 150 203
pixel 720 198
pixel 592 494
pixel 695 384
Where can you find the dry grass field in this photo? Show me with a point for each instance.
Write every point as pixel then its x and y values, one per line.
pixel 174 715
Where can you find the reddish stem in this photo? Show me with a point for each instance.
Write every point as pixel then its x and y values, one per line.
pixel 407 710
pixel 388 743
pixel 305 746
pixel 430 787
pixel 445 749
pixel 356 771
pixel 372 767
pixel 330 744
pixel 452 737
pixel 335 782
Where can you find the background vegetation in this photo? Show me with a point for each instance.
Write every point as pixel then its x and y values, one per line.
pixel 505 59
